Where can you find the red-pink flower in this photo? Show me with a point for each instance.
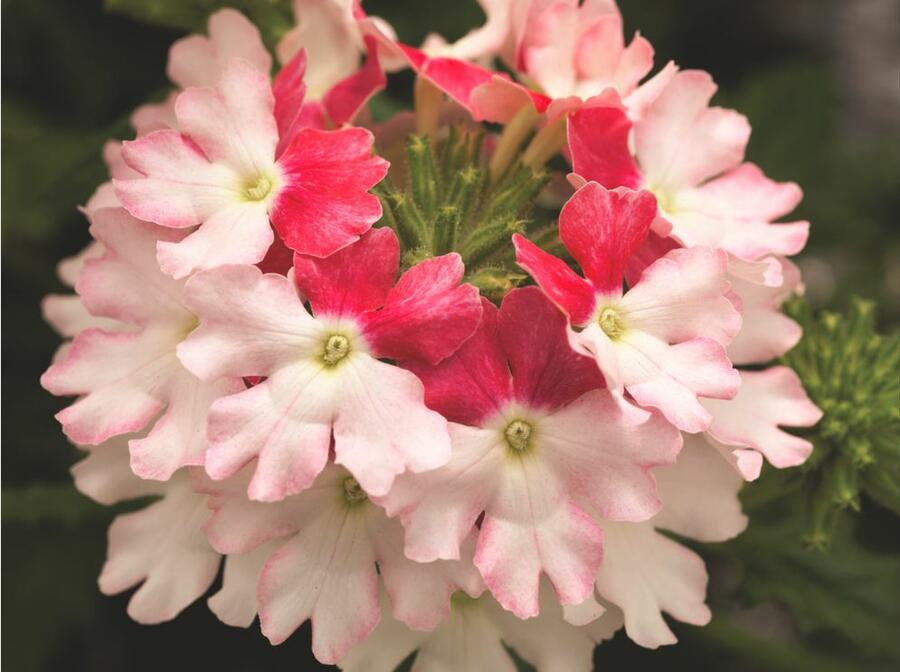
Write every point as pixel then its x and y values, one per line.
pixel 690 156
pixel 528 455
pixel 663 340
pixel 325 378
pixel 219 174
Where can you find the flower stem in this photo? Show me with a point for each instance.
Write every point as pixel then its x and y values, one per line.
pixel 510 140
pixel 549 140
pixel 428 99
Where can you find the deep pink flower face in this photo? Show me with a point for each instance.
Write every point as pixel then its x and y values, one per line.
pixel 689 155
pixel 219 173
pixel 325 374
pixel 529 457
pixel 663 340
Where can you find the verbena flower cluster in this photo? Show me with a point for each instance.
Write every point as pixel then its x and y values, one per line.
pixel 453 402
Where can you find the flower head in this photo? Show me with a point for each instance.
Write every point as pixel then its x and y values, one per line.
pixel 526 454
pixel 324 374
pixel 663 340
pixel 219 175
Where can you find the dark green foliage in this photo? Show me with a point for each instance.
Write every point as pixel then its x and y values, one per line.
pixel 447 204
pixel 853 374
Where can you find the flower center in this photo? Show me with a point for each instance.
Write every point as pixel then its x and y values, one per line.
pixel 664 199
pixel 611 323
pixel 518 434
pixel 189 327
pixel 459 601
pixel 337 347
pixel 258 189
pixel 353 493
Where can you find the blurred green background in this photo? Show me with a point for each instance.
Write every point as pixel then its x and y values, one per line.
pixel 819 81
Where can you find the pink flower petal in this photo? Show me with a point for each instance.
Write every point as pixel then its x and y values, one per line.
pixel 289 90
pixel 419 592
pixel 155 116
pixel 472 384
pixel 68 316
pixel 533 527
pixel 123 379
pixel 671 377
pixel 353 280
pixel 105 474
pixel 250 323
pixel 766 332
pixel 234 123
pixel 236 234
pixel 198 61
pixel 126 283
pixel 346 98
pixel 326 573
pixel 611 469
pixel 598 142
pixel 681 141
pixel 766 400
pixel 178 438
pixel 572 293
pixel 603 228
pixel 381 424
pixel 181 188
pixel 683 296
pixel 284 422
pixel 529 323
pixel 427 315
pixel 329 33
pixel 645 573
pixel 700 495
pixel 235 603
pixel 323 204
pixel 239 525
pixel 162 548
pixel 500 99
pixel 439 508
pixel 654 247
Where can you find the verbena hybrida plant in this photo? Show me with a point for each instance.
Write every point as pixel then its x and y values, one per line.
pixel 436 382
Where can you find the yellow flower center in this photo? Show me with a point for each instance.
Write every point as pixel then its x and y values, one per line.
pixel 257 189
pixel 611 323
pixel 337 347
pixel 518 434
pixel 353 493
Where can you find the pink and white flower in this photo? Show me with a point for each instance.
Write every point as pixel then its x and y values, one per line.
pixel 690 156
pixel 318 552
pixel 129 377
pixel 198 60
pixel 748 427
pixel 476 635
pixel 218 175
pixel 325 378
pixel 160 547
pixel 766 332
pixel 527 455
pixel 646 573
pixel 664 340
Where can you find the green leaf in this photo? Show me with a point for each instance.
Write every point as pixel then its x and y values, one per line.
pixel 844 598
